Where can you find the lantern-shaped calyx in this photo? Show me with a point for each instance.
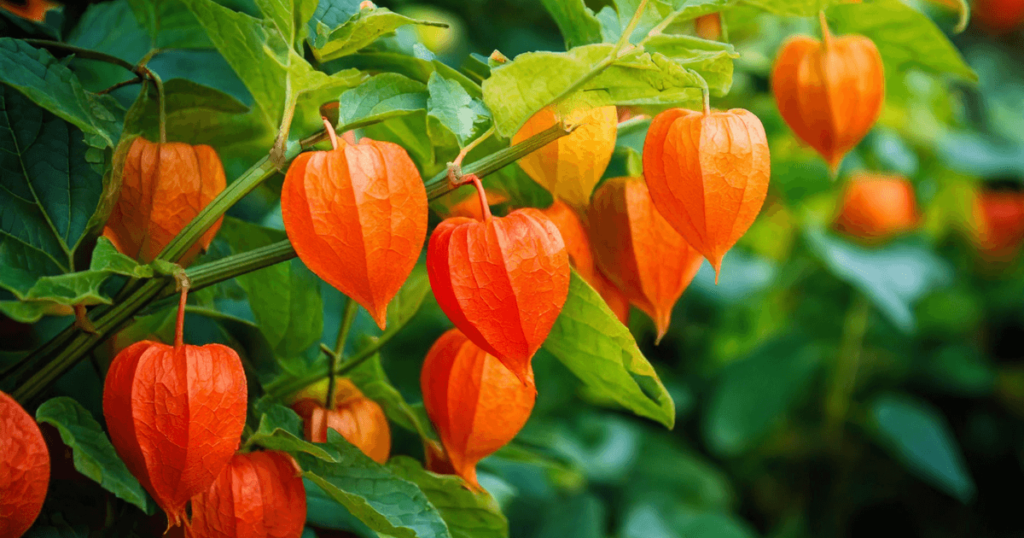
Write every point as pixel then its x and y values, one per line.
pixel 357 418
pixel 502 281
pixel 638 249
pixel 830 92
pixel 357 217
pixel 570 166
pixel 877 207
pixel 24 469
pixel 476 404
pixel 998 223
pixel 175 415
pixel 163 187
pixel 708 175
pixel 256 495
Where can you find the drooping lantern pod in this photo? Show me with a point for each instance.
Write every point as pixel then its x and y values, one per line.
pixel 830 92
pixel 998 223
pixel 708 26
pixel 357 217
pixel 175 415
pixel 638 249
pixel 877 207
pixel 256 495
pixel 571 166
pixel 477 405
pixel 577 245
pixel 163 187
pixel 34 10
pixel 357 418
pixel 24 469
pixel 502 281
pixel 998 16
pixel 708 175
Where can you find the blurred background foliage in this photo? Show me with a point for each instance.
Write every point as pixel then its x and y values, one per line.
pixel 824 387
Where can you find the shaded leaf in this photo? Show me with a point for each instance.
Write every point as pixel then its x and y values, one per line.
pixel 577 22
pixel 374 384
pixel 378 98
pixel 168 24
pixel 451 107
pixel 332 37
pixel 280 429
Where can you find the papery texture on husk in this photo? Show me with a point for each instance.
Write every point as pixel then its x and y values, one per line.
pixel 571 166
pixel 256 495
pixel 501 281
pixel 357 217
pixel 175 416
pixel 877 207
pixel 477 405
pixel 638 249
pixel 708 175
pixel 830 95
pixel 163 187
pixel 998 223
pixel 357 418
pixel 24 469
pixel 577 245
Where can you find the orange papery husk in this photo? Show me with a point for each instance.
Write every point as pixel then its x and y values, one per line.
pixel 256 495
pixel 358 419
pixel 24 469
pixel 708 26
pixel 830 94
pixel 876 207
pixel 639 251
pixel 34 10
pixel 163 187
pixel 175 416
pixel 998 224
pixel 708 176
pixel 998 16
pixel 477 405
pixel 357 217
pixel 501 281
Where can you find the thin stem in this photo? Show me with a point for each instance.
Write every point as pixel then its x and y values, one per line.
pixel 179 328
pixel 485 208
pixel 332 380
pixel 826 35
pixel 120 85
pixel 81 53
pixel 844 376
pixel 706 95
pixel 624 38
pixel 469 147
pixel 348 316
pixel 161 98
pixel 330 132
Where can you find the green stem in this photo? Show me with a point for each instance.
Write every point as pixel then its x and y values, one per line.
pixel 161 101
pixel 624 38
pixel 81 53
pixel 208 274
pixel 440 184
pixel 844 373
pixel 347 317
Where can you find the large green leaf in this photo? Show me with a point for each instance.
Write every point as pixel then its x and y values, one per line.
pixel 383 501
pixel 585 77
pixel 452 109
pixel 656 13
pixel 94 456
pixel 51 85
pixel 754 394
pixel 415 68
pixel 594 345
pixel 893 277
pixel 918 436
pixel 285 298
pixel 577 22
pixel 290 17
pixel 712 59
pixel 468 514
pixel 168 24
pixel 280 429
pixel 380 97
pixel 374 384
pixel 275 74
pixel 340 27
pixel 905 37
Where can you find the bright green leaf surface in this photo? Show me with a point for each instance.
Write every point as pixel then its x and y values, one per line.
pixel 577 22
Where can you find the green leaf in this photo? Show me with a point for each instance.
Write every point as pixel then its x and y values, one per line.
pixel 94 456
pixel 451 107
pixel 792 8
pixel 415 68
pixel 285 298
pixel 51 85
pixel 374 384
pixel 409 299
pixel 380 97
pixel 468 514
pixel 657 12
pixel 754 394
pixel 905 37
pixel 918 436
pixel 331 37
pixel 168 24
pixel 712 59
pixel 280 429
pixel 893 277
pixel 584 77
pixel 589 340
pixel 577 22
pixel 580 516
pixel 290 17
pixel 380 499
pixel 275 74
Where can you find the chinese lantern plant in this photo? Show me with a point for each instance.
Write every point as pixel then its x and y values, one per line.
pixel 998 223
pixel 24 469
pixel 346 410
pixel 876 207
